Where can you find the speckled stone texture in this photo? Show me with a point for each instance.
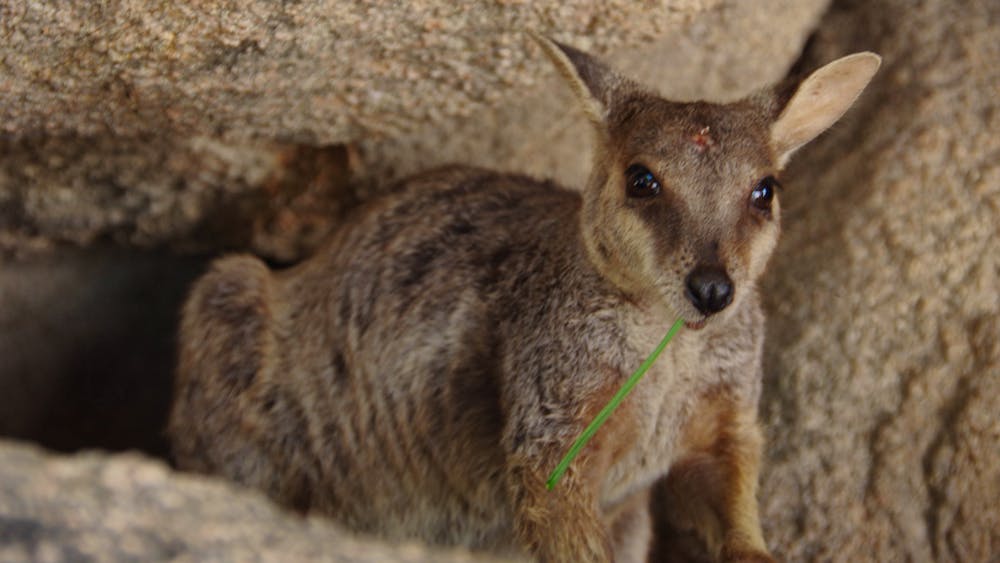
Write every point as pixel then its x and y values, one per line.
pixel 92 507
pixel 883 352
pixel 143 122
pixel 318 72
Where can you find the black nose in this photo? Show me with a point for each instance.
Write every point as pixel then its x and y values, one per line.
pixel 709 289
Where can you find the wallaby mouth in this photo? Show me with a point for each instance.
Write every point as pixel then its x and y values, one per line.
pixel 696 325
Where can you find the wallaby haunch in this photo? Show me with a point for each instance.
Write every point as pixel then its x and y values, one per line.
pixel 421 375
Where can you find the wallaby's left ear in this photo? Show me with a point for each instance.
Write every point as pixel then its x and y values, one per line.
pixel 596 86
pixel 820 101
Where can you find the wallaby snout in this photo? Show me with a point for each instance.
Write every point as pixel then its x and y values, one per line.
pixel 709 289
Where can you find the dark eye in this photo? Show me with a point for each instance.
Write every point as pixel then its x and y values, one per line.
pixel 763 194
pixel 640 182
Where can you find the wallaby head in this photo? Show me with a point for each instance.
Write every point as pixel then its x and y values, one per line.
pixel 681 206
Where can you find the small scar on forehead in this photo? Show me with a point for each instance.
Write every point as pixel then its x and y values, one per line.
pixel 702 139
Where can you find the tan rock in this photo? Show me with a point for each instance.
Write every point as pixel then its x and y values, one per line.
pixel 92 507
pixel 885 297
pixel 142 121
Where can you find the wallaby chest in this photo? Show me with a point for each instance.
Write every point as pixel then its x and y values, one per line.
pixel 674 410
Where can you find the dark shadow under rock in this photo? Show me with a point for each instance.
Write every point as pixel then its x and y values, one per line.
pixel 87 341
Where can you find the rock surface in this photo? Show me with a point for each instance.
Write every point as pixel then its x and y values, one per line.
pixel 193 194
pixel 884 335
pixel 150 123
pixel 325 72
pixel 92 507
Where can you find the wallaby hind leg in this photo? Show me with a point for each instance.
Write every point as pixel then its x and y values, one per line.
pixel 230 416
pixel 713 493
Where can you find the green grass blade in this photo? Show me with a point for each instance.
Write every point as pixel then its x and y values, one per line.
pixel 609 408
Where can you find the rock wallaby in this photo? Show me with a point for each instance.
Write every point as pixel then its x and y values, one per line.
pixel 425 371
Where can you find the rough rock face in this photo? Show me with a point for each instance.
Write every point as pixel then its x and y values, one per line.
pixel 150 123
pixel 884 336
pixel 193 194
pixel 125 508
pixel 319 72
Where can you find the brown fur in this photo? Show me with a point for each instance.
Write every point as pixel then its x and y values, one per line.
pixel 422 375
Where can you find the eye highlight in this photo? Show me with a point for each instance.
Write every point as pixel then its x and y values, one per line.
pixel 762 194
pixel 640 182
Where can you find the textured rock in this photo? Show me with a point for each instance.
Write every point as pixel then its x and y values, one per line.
pixel 883 339
pixel 315 72
pixel 195 194
pixel 718 54
pixel 91 507
pixel 149 123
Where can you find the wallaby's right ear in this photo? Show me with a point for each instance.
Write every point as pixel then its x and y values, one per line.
pixel 593 82
pixel 820 101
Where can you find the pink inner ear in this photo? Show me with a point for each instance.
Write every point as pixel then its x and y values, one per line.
pixel 702 139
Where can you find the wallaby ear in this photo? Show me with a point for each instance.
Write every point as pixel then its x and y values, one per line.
pixel 593 82
pixel 820 101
